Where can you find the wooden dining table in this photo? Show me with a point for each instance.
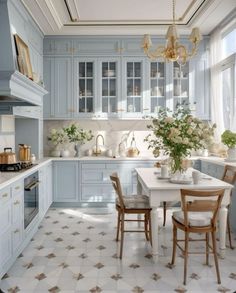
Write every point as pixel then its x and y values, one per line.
pixel 159 190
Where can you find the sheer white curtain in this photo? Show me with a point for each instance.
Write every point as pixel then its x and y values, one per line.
pixel 216 84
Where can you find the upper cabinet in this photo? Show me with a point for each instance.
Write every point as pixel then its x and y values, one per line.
pixel 94 78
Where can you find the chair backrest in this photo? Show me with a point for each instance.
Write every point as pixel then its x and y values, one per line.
pixel 117 186
pixel 201 201
pixel 229 174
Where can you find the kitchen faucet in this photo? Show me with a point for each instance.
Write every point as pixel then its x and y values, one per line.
pixel 97 149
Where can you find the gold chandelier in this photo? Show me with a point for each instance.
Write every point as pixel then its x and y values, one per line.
pixel 173 50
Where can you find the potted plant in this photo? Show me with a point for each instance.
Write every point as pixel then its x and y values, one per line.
pixel 78 136
pixel 57 137
pixel 228 138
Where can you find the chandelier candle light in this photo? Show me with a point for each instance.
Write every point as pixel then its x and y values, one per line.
pixel 173 51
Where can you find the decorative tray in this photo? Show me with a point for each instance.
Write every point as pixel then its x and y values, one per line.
pixel 181 181
pixel 162 178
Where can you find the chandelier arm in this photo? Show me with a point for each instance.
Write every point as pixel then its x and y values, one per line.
pixel 154 54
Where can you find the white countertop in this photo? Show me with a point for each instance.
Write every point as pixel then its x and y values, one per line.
pixel 7 178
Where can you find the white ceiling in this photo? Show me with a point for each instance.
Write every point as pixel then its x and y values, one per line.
pixel 114 17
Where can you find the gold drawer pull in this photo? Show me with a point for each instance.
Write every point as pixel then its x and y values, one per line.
pixel 16 202
pixel 5 194
pixel 17 187
pixel 16 231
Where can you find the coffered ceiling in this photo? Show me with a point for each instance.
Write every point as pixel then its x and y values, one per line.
pixel 91 17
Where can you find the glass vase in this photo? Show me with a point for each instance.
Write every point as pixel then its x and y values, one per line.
pixel 77 148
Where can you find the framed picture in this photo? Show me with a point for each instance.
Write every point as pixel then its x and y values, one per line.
pixel 23 57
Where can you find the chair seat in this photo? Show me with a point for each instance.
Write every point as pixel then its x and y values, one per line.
pixel 135 202
pixel 196 219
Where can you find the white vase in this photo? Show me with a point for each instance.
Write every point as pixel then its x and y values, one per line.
pixel 65 153
pixel 55 153
pixel 231 154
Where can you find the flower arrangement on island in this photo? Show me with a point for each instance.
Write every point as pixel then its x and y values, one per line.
pixel 177 134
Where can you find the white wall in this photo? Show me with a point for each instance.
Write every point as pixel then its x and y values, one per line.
pixel 113 131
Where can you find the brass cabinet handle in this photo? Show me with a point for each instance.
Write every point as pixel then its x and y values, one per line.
pixel 5 195
pixel 17 187
pixel 16 231
pixel 16 202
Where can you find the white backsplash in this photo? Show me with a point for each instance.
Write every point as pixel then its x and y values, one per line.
pixel 112 131
pixel 7 132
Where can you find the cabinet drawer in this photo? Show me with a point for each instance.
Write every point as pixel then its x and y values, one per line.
pixel 18 188
pixel 5 195
pixel 93 166
pixel 98 193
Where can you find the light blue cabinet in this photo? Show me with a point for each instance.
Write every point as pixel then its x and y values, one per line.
pixel 58 82
pixel 65 181
pixel 212 169
pixel 118 81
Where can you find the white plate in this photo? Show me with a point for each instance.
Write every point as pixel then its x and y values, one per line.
pixel 160 177
pixel 181 181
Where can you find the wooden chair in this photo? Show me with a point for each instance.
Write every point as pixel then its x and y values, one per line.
pixel 135 204
pixel 197 216
pixel 229 176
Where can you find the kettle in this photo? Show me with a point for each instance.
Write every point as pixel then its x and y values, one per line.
pixel 132 150
pixel 24 152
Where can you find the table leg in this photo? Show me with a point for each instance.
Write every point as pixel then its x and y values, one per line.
pixel 222 225
pixel 154 220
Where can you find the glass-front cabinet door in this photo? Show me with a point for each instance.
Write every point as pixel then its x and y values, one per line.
pixel 180 85
pixel 157 86
pixel 133 90
pixel 108 91
pixel 84 87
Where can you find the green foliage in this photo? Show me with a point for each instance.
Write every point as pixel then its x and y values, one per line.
pixel 229 138
pixel 77 134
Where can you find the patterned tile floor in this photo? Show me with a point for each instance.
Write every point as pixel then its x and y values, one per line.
pixel 74 251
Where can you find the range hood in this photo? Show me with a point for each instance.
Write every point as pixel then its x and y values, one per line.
pixel 15 88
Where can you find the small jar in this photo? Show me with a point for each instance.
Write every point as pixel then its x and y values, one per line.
pixel 32 158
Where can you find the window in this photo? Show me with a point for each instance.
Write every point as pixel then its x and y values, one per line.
pixel 229 43
pixel 228 78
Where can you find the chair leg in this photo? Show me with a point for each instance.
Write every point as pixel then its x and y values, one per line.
pixel 174 244
pixel 185 256
pixel 146 226
pixel 229 232
pixel 150 228
pixel 122 234
pixel 164 213
pixel 207 249
pixel 215 256
pixel 118 227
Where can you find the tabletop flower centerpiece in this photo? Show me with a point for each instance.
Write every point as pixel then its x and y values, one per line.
pixel 177 134
pixel 57 137
pixel 228 138
pixel 78 136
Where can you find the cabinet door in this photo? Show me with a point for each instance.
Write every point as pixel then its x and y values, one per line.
pixel 157 86
pixel 49 185
pixel 133 91
pixel 5 247
pixel 49 79
pixel 108 87
pixel 180 85
pixel 65 181
pixel 84 87
pixel 63 88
